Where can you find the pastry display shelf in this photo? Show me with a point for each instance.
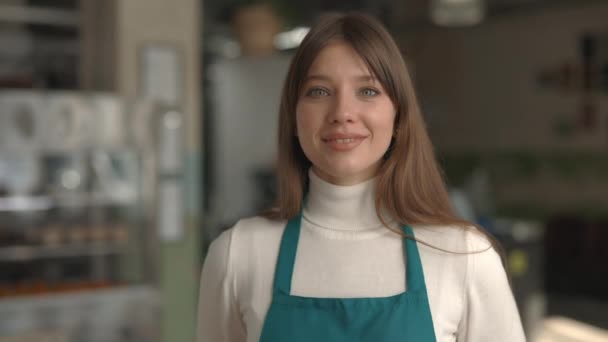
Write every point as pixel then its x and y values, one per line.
pixel 46 202
pixel 29 252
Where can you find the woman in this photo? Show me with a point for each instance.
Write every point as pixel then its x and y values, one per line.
pixel 363 244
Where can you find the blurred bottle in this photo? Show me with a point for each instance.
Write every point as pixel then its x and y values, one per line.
pixel 479 190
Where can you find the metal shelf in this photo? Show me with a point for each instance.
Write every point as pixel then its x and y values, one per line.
pixel 26 253
pixel 25 203
pixel 41 203
pixel 39 15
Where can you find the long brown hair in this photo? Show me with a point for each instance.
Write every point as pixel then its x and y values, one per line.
pixel 410 184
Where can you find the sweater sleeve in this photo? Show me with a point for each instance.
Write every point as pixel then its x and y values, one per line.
pixel 219 319
pixel 490 312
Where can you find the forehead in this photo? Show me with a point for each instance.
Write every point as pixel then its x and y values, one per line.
pixel 339 57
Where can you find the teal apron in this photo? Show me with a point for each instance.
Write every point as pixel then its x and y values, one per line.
pixel 405 317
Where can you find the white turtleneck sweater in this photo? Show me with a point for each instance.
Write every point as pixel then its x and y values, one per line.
pixel 344 251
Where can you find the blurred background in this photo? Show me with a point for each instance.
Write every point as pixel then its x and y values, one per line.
pixel 133 132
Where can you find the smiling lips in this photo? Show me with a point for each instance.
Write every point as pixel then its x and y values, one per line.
pixel 343 142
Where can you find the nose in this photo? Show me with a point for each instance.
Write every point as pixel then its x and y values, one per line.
pixel 343 109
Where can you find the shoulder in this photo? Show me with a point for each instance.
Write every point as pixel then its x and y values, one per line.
pixel 256 229
pixel 249 240
pixel 465 253
pixel 456 239
pixel 247 231
pixel 244 254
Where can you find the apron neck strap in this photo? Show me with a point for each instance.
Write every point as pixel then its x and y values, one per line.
pixel 414 275
pixel 287 256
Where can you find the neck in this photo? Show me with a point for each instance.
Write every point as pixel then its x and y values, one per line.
pixel 341 207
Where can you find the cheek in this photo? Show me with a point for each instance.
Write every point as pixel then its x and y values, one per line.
pixel 307 122
pixel 384 124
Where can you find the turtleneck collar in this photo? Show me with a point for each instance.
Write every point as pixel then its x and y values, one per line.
pixel 340 207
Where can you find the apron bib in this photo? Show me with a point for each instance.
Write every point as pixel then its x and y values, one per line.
pixel 405 317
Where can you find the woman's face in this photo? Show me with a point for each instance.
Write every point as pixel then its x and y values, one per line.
pixel 344 117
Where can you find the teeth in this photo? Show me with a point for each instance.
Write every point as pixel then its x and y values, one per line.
pixel 344 141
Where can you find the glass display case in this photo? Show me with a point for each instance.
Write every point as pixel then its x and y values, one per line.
pixel 79 178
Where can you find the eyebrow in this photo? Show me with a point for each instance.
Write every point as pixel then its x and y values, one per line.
pixel 327 78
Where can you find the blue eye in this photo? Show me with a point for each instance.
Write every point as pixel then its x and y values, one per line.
pixel 317 92
pixel 369 92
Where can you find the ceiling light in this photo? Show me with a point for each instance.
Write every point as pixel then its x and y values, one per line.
pixel 290 39
pixel 457 12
